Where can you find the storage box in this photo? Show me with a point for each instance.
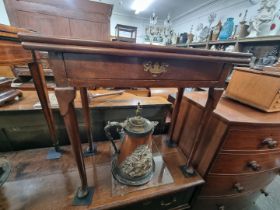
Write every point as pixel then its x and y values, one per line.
pixel 255 88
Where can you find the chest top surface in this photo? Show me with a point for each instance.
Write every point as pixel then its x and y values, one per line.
pixel 232 111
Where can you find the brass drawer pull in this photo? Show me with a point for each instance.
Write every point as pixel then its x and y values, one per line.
pixel 162 203
pixel 264 192
pixel 156 68
pixel 238 187
pixel 270 143
pixel 254 165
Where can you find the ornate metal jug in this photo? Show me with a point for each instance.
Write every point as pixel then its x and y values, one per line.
pixel 133 162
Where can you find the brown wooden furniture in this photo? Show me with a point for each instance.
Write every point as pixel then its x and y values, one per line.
pixel 76 18
pixel 118 64
pixel 31 169
pixel 259 47
pixel 12 53
pixel 7 96
pixel 16 135
pixel 131 32
pixel 259 89
pixel 238 154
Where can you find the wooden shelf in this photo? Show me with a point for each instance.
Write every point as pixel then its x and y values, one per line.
pixel 197 44
pixel 244 40
pixel 181 45
pixel 260 39
pixel 223 42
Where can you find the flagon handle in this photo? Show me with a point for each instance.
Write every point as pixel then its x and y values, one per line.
pixel 108 134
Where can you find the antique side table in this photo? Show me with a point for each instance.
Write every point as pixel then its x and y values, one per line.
pixel 12 53
pixel 129 30
pixel 83 63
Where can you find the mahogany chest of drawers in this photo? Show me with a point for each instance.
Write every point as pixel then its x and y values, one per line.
pixel 238 155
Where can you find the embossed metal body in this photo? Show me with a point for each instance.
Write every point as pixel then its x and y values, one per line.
pixel 133 162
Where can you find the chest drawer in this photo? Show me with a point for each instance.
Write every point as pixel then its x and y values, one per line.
pixel 217 185
pixel 260 139
pixel 179 200
pixel 232 163
pixel 226 202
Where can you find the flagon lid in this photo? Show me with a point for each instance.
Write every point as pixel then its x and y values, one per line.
pixel 138 125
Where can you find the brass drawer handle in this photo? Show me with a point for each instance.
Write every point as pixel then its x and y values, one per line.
pixel 238 187
pixel 156 68
pixel 162 203
pixel 270 143
pixel 254 165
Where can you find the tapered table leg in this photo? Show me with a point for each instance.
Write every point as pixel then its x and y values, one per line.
pixel 92 149
pixel 214 96
pixel 41 88
pixel 179 96
pixel 65 97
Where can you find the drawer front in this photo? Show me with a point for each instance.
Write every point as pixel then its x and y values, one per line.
pixel 100 68
pixel 226 202
pixel 236 184
pixel 232 163
pixel 260 139
pixel 176 201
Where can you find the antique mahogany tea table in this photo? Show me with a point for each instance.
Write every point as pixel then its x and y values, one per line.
pixel 82 64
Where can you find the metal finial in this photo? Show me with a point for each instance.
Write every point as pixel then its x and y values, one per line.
pixel 138 110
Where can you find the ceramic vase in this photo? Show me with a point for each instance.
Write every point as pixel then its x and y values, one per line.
pixel 183 38
pixel 190 38
pixel 274 28
pixel 227 29
pixel 216 31
pixel 243 30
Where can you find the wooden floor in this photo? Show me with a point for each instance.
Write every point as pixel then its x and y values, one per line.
pixel 271 202
pixel 36 183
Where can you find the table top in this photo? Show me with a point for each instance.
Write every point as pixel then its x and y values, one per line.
pixel 50 184
pixel 84 63
pixel 41 42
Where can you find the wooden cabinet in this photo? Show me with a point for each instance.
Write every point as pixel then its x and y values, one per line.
pixel 260 47
pixel 238 154
pixel 77 18
pixel 81 19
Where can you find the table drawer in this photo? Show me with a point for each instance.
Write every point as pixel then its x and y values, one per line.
pixel 235 202
pixel 232 163
pixel 217 185
pixel 100 68
pixel 260 139
pixel 175 201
